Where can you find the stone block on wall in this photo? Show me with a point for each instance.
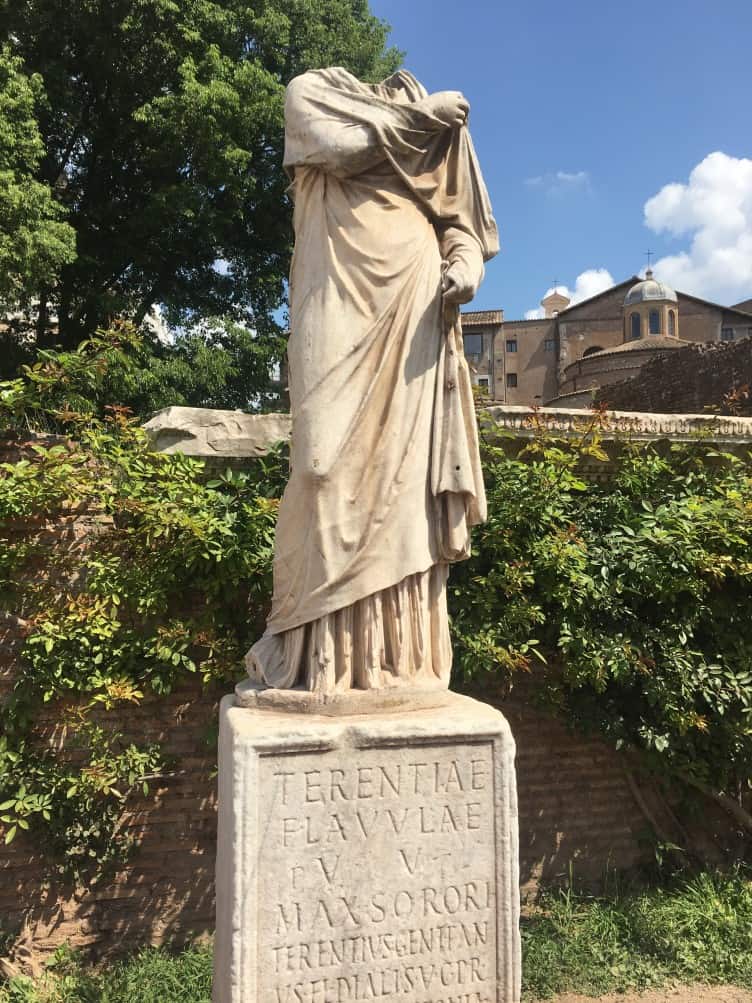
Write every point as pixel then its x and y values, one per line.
pixel 216 435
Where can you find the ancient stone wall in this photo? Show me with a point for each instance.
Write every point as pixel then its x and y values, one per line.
pixel 604 368
pixel 694 379
pixel 166 892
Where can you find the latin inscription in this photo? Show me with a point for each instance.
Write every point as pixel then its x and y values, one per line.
pixel 377 876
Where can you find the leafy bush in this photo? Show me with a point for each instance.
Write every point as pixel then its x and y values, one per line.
pixel 626 600
pixel 174 581
pixel 623 604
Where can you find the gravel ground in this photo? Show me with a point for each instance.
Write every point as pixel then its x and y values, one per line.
pixel 680 994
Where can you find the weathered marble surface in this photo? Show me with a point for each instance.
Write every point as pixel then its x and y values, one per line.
pixel 366 858
pixel 642 426
pixel 213 434
pixel 232 434
pixel 347 702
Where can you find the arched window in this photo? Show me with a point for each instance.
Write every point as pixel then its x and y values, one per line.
pixel 591 351
pixel 655 322
pixel 672 323
pixel 635 330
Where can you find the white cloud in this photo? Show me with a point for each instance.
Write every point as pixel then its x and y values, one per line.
pixel 573 178
pixel 714 207
pixel 554 182
pixel 588 283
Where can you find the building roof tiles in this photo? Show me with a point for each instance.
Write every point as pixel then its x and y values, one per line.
pixel 477 318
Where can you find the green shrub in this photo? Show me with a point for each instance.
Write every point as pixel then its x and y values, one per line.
pixel 174 582
pixel 152 976
pixel 626 600
pixel 624 603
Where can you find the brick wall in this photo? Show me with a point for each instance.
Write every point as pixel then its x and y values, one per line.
pixel 166 891
pixel 575 807
pixel 690 380
pixel 576 810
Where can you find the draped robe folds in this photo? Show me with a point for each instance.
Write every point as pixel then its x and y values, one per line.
pixel 385 477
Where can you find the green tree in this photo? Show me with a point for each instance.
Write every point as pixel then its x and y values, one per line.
pixel 163 135
pixel 220 364
pixel 34 239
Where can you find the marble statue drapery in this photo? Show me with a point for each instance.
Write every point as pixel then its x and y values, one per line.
pixel 385 477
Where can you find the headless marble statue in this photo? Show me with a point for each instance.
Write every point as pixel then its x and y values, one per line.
pixel 392 226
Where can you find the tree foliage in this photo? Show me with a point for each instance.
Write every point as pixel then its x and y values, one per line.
pixel 162 128
pixel 220 365
pixel 35 241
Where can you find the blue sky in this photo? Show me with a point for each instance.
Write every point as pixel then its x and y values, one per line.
pixel 581 114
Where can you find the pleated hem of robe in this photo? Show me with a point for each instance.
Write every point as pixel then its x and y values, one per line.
pixel 396 637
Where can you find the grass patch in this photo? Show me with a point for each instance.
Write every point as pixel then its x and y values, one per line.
pixel 699 930
pixel 152 976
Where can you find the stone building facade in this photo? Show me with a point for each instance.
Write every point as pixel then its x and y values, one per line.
pixel 480 329
pixel 572 351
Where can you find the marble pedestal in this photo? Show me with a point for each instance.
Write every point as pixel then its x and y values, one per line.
pixel 367 857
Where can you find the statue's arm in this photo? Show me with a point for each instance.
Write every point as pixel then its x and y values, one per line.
pixel 463 264
pixel 321 131
pixel 344 131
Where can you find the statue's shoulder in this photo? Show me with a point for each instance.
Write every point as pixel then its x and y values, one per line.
pixel 330 76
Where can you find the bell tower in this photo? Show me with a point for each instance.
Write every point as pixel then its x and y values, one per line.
pixel 554 302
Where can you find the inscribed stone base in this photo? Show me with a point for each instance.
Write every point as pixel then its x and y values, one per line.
pixel 367 858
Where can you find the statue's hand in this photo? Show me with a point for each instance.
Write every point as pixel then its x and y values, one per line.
pixel 459 285
pixel 450 107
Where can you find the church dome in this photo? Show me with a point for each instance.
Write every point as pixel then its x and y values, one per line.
pixel 650 290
